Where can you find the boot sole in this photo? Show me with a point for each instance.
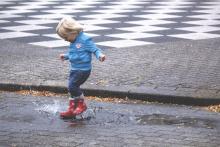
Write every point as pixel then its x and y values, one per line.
pixel 70 117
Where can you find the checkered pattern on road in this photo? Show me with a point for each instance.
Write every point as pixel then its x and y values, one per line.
pixel 112 24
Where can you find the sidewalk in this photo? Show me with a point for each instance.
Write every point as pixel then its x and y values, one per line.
pixel 178 72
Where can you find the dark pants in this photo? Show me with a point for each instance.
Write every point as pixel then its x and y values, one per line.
pixel 77 78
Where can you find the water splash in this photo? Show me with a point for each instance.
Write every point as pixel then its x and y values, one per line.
pixel 89 113
pixel 52 109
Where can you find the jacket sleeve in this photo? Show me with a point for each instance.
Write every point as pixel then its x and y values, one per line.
pixel 91 47
pixel 66 56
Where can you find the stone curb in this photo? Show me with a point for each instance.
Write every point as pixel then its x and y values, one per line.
pixel 124 92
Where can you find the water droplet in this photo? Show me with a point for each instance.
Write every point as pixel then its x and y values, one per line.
pixel 53 108
pixel 89 113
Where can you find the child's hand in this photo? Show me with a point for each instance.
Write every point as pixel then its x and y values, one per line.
pixel 102 58
pixel 62 57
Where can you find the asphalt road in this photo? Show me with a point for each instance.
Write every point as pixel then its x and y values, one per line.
pixel 34 121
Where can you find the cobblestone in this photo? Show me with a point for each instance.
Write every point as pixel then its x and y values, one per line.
pixel 186 68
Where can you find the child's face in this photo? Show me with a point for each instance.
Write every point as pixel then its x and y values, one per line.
pixel 70 37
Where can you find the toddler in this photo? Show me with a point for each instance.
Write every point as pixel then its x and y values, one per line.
pixel 79 55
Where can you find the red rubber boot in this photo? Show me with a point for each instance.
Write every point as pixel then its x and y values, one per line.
pixel 69 113
pixel 80 107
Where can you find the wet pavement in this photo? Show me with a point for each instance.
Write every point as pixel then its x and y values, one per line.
pixel 34 121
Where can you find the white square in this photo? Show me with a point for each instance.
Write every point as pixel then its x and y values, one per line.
pixel 37 21
pixel 122 7
pixel 62 11
pixel 4 21
pixel 50 16
pixel 52 36
pixel 206 16
pixel 26 7
pixel 203 22
pixel 7 35
pixel 204 7
pixel 96 21
pixel 157 16
pixel 195 36
pixel 130 2
pixel 25 28
pixel 174 3
pixel 73 7
pixel 114 11
pixel 16 11
pixel 128 6
pixel 143 28
pixel 2 16
pixel 200 29
pixel 150 22
pixel 37 3
pixel 211 3
pixel 160 7
pixel 87 2
pixel 123 43
pixel 93 28
pixel 133 35
pixel 6 3
pixel 58 37
pixel 162 11
pixel 208 11
pixel 51 44
pixel 104 16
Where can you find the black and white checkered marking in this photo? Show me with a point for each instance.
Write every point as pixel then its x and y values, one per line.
pixel 112 24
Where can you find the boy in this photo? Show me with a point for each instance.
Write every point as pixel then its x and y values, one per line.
pixel 80 57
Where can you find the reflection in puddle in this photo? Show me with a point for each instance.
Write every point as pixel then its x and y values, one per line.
pixel 163 119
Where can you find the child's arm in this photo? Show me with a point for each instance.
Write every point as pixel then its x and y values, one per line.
pixel 90 46
pixel 64 57
pixel 102 58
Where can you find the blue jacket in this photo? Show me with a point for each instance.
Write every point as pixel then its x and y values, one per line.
pixel 80 52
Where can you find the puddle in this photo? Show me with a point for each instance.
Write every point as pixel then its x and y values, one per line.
pixel 56 107
pixel 163 119
pixel 99 116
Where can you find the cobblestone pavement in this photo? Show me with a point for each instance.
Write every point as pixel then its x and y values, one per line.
pixel 34 121
pixel 188 69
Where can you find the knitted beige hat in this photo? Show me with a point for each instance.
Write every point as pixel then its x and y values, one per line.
pixel 68 25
